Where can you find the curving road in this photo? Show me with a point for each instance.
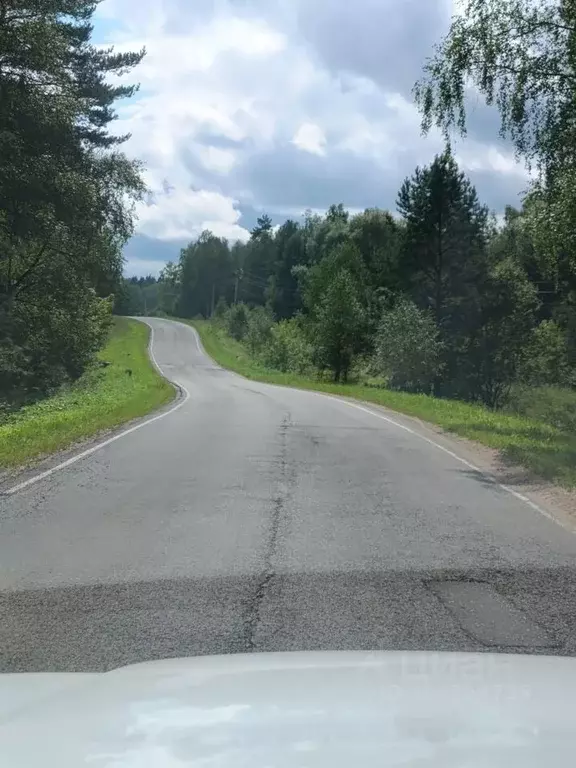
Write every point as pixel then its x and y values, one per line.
pixel 256 518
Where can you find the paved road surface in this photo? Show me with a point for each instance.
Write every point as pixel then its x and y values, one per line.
pixel 260 518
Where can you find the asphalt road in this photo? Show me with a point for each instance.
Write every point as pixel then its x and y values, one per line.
pixel 259 518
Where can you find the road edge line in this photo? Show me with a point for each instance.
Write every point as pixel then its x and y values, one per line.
pixel 361 407
pixel 89 451
pixel 483 472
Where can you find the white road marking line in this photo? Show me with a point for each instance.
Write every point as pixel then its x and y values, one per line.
pixel 468 464
pixel 103 444
pixel 359 407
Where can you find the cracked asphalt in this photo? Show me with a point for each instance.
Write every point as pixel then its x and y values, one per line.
pixel 259 518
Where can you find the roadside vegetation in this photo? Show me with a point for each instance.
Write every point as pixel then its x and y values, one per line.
pixel 66 209
pixel 440 308
pixel 120 385
pixel 536 430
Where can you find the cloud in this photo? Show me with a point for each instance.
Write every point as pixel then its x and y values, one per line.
pixel 310 138
pixel 180 213
pixel 282 105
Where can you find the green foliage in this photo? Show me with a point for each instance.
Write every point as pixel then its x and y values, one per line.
pixel 497 346
pixel 445 298
pixel 545 357
pixel 260 322
pixel 236 321
pixel 139 296
pixel 444 240
pixel 408 348
pixel 378 238
pixel 549 405
pixel 205 275
pixel 520 55
pixel 545 447
pixel 121 386
pixel 288 349
pixel 339 325
pixel 220 310
pixel 49 342
pixel 66 192
pixel 284 295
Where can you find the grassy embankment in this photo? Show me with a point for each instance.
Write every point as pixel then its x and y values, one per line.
pixel 538 430
pixel 103 398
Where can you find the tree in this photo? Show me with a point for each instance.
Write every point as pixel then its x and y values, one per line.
pixel 521 55
pixel 378 238
pixel 285 298
pixel 545 358
pixel 408 348
pixel 258 263
pixel 288 349
pixel 129 299
pixel 169 287
pixel 339 325
pixel 263 227
pixel 444 252
pixel 66 191
pixel 497 346
pixel 205 275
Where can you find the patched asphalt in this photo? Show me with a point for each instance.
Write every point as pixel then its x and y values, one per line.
pixel 259 518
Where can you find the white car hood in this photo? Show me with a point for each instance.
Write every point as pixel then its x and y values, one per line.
pixel 297 710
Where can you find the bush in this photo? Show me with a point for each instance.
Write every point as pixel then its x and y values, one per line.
pixel 546 357
pixel 408 349
pixel 260 322
pixel 236 321
pixel 44 346
pixel 551 405
pixel 287 349
pixel 220 310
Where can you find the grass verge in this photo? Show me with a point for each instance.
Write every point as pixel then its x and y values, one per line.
pixel 104 397
pixel 546 448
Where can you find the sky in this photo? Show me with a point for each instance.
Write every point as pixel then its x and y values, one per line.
pixel 278 106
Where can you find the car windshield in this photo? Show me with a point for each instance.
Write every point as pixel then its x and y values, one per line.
pixel 287 329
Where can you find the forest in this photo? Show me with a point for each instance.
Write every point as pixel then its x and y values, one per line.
pixel 438 297
pixel 66 194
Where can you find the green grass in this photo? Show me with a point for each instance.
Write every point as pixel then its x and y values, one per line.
pixel 535 436
pixel 103 398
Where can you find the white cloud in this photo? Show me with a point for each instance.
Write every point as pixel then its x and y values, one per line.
pixel 310 138
pixel 176 213
pixel 472 156
pixel 255 105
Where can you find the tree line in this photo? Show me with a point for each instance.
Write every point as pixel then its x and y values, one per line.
pixel 440 298
pixel 435 297
pixel 66 193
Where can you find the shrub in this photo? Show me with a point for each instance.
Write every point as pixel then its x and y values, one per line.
pixel 220 310
pixel 546 357
pixel 44 346
pixel 236 321
pixel 260 322
pixel 408 349
pixel 287 348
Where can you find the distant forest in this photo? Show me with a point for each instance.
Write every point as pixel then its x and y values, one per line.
pixel 439 298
